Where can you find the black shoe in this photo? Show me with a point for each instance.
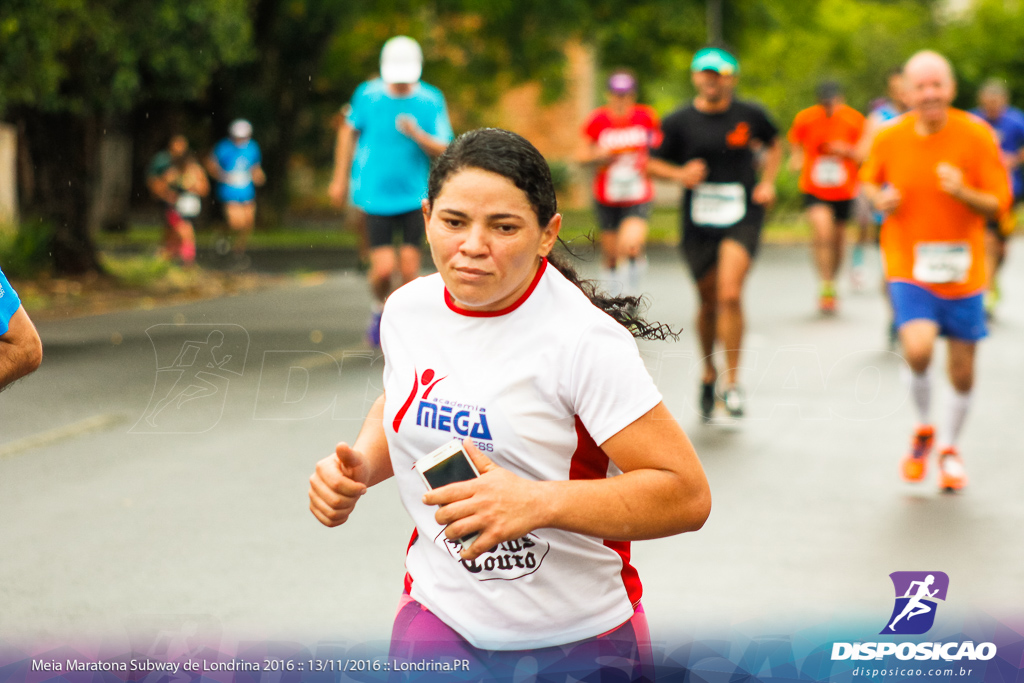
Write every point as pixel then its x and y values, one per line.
pixel 707 400
pixel 733 398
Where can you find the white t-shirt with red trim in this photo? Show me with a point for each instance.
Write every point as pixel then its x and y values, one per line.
pixel 538 386
pixel 624 181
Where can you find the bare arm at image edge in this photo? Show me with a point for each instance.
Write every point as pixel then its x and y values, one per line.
pixel 21 352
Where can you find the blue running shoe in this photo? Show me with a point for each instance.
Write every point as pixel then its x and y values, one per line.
pixel 373 329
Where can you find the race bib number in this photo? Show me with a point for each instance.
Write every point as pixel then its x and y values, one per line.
pixel 942 262
pixel 623 182
pixel 829 172
pixel 718 205
pixel 238 178
pixel 188 205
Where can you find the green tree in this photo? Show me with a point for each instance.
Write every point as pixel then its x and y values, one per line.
pixel 986 42
pixel 69 67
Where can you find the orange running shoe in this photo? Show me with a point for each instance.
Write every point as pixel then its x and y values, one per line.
pixel 952 475
pixel 915 464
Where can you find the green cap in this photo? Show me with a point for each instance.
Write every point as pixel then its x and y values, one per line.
pixel 715 59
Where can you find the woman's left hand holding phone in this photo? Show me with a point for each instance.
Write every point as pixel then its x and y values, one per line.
pixel 498 504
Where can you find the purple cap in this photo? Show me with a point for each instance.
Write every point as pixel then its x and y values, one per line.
pixel 621 83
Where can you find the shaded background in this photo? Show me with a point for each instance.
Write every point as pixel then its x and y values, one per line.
pixel 93 88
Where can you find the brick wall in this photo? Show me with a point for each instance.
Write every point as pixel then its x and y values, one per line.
pixel 554 128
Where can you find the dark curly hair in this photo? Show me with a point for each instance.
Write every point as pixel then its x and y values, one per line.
pixel 513 157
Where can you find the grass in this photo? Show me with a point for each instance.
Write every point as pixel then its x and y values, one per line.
pixel 148 235
pixel 577 223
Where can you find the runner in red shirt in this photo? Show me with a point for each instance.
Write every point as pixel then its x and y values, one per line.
pixel 824 138
pixel 616 139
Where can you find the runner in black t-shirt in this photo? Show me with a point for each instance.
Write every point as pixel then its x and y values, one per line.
pixel 713 148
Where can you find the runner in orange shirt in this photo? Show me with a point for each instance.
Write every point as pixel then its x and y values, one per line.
pixel 938 176
pixel 824 139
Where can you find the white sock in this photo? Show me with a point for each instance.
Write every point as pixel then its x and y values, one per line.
pixel 959 404
pixel 636 268
pixel 612 279
pixel 921 390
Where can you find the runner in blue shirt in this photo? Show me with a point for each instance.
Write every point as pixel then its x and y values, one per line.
pixel 395 126
pixel 1008 122
pixel 21 352
pixel 235 165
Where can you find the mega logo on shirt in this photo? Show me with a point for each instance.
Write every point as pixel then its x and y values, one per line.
pixel 442 414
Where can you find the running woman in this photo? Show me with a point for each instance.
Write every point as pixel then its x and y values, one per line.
pixel 937 175
pixel 1008 122
pixel 236 166
pixel 179 182
pixel 538 377
pixel 396 124
pixel 824 139
pixel 617 139
pixel 711 148
pixel 21 352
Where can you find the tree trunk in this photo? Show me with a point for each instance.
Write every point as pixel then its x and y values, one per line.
pixel 8 177
pixel 63 147
pixel 112 195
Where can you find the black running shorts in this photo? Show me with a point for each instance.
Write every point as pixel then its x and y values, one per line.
pixel 609 218
pixel 383 230
pixel 700 244
pixel 841 208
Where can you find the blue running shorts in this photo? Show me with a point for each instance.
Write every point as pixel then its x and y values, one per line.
pixel 962 318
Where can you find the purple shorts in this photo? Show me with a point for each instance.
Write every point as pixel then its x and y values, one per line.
pixel 420 643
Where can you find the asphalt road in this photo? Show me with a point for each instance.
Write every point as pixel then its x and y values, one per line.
pixel 121 508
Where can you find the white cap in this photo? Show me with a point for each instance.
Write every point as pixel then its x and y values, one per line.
pixel 240 128
pixel 401 60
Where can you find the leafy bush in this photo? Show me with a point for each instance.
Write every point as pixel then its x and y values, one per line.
pixel 27 251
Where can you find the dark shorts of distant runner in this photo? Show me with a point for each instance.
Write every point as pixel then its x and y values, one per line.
pixel 384 230
pixel 700 245
pixel 841 208
pixel 609 217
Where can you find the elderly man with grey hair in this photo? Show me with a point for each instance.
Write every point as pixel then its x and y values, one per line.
pixel 937 175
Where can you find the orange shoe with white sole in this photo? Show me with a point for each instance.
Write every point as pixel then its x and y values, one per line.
pixel 952 475
pixel 915 463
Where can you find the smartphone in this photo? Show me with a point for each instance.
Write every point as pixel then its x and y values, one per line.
pixel 447 465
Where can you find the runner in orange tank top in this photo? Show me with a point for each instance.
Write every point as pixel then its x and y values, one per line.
pixel 824 140
pixel 938 176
